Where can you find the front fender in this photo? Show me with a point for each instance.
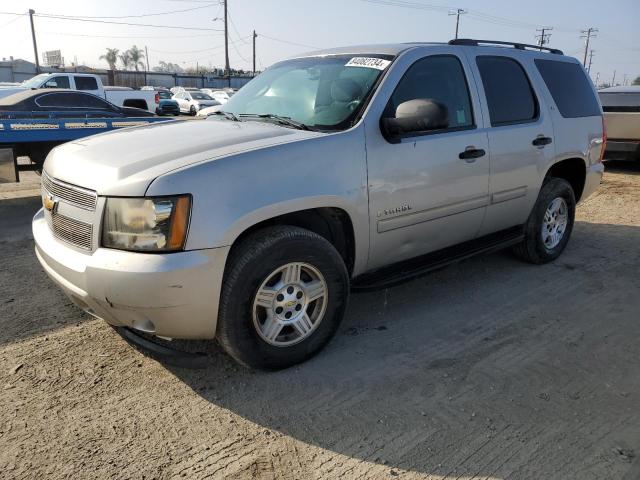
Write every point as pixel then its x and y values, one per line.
pixel 234 193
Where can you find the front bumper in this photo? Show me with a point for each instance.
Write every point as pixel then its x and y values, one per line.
pixel 592 180
pixel 171 295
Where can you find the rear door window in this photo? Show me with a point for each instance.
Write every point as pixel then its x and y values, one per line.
pixel 509 93
pixel 86 83
pixel 570 88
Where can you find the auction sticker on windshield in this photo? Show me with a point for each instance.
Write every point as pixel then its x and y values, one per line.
pixel 368 62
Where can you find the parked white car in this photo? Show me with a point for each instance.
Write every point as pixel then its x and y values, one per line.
pixel 220 95
pixel 192 102
pixel 88 83
pixel 205 112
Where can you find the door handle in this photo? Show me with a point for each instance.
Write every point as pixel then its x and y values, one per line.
pixel 541 141
pixel 470 154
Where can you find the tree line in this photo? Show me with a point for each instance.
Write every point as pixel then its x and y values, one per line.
pixel 128 58
pixel 133 58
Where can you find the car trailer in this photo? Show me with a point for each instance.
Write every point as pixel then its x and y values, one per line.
pixel 34 138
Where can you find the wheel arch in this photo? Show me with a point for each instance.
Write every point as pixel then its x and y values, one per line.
pixel 571 169
pixel 330 222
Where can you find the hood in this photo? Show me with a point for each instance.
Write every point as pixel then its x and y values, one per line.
pixel 125 162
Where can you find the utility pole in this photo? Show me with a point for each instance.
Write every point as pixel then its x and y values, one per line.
pixel 544 37
pixel 590 60
pixel 597 79
pixel 613 82
pixel 588 34
pixel 457 13
pixel 146 55
pixel 226 45
pixel 254 52
pixel 624 79
pixel 33 36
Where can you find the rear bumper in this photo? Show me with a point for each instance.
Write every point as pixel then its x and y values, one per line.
pixel 592 180
pixel 622 150
pixel 173 295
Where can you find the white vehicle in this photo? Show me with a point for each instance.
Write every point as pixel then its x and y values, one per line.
pixel 192 101
pixel 220 95
pixel 120 96
pixel 205 112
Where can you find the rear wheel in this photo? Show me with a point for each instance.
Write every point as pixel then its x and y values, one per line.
pixel 550 224
pixel 283 298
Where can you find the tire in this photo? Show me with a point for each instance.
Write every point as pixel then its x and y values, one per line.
pixel 542 248
pixel 251 265
pixel 192 111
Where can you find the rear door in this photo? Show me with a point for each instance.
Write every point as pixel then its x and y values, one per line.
pixel 577 116
pixel 521 137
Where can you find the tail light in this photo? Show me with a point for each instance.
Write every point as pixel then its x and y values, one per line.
pixel 604 138
pixel 157 97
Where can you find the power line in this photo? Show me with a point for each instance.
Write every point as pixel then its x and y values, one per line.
pixel 141 15
pixel 58 17
pixel 234 26
pixel 134 37
pixel 288 42
pixel 13 20
pixel 474 14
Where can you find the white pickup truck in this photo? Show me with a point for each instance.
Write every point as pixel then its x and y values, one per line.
pixel 121 96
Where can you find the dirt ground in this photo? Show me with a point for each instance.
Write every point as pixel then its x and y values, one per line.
pixel 490 368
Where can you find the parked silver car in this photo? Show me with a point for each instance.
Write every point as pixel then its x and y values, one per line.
pixel 191 101
pixel 343 169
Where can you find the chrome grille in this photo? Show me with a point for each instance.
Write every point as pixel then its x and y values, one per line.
pixel 71 230
pixel 71 194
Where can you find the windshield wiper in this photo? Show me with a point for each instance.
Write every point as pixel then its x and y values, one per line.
pixel 283 120
pixel 227 115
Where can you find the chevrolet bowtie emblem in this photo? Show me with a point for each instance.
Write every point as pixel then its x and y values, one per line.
pixel 50 202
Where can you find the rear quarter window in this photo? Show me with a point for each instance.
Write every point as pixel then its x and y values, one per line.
pixel 86 83
pixel 570 88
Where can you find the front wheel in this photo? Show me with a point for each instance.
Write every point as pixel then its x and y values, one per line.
pixel 284 295
pixel 550 224
pixel 192 111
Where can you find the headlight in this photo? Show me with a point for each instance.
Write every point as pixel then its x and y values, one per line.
pixel 146 224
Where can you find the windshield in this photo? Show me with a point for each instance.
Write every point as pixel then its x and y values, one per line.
pixel 324 92
pixel 36 81
pixel 200 96
pixel 164 94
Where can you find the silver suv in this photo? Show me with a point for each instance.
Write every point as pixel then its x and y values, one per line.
pixel 352 168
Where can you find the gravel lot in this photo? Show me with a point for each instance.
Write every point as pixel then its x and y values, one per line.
pixel 490 368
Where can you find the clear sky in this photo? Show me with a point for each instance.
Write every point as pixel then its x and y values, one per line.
pixel 289 27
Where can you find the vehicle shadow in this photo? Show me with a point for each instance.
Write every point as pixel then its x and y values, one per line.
pixel 620 166
pixel 489 368
pixel 26 293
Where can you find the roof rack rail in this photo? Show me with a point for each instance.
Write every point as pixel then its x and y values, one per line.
pixel 519 46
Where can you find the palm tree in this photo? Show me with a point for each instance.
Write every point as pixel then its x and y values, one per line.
pixel 125 59
pixel 111 57
pixel 136 55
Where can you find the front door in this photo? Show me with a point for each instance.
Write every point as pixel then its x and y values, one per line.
pixel 428 192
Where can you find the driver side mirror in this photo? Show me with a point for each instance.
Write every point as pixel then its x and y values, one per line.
pixel 415 116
